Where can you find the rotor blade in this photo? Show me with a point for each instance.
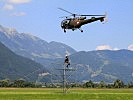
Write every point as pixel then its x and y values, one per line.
pixel 91 15
pixel 65 16
pixel 65 11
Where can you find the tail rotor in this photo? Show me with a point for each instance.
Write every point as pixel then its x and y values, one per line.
pixel 105 17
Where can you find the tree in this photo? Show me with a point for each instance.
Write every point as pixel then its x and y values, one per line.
pixel 130 85
pixel 19 83
pixel 4 83
pixel 89 84
pixel 102 84
pixel 110 85
pixel 118 84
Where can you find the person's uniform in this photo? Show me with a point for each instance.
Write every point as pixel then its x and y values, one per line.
pixel 67 61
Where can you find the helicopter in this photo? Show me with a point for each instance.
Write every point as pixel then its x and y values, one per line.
pixel 78 20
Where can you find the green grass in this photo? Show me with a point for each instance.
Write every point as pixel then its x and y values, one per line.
pixel 73 94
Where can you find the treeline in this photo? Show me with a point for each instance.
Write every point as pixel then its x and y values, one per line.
pixel 117 84
pixel 90 84
pixel 21 83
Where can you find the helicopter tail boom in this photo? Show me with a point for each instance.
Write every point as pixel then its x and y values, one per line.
pixel 93 19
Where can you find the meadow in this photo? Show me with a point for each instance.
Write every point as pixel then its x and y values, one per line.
pixel 72 94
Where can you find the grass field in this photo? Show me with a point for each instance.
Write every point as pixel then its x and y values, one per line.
pixel 73 94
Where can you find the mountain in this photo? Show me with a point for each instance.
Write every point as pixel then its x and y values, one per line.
pixel 92 65
pixel 100 65
pixel 13 66
pixel 30 46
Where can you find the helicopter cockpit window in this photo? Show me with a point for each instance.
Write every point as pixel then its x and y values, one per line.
pixel 65 22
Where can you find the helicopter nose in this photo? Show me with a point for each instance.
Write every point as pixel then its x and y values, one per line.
pixel 62 26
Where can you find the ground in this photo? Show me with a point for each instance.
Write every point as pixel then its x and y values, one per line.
pixel 73 94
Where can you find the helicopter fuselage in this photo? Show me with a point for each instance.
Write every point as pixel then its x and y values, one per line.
pixel 76 23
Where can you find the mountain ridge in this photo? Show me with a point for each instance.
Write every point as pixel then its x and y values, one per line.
pixel 13 66
pixel 106 65
pixel 33 47
pixel 97 65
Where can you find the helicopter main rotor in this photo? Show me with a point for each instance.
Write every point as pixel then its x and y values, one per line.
pixel 74 15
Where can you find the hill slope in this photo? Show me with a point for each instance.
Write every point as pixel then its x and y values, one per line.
pixel 93 65
pixel 101 65
pixel 30 46
pixel 13 66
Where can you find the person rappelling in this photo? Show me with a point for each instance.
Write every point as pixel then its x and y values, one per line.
pixel 67 62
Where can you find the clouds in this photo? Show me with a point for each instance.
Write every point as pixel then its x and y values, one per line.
pixel 10 5
pixel 107 47
pixel 18 1
pixel 104 47
pixel 130 47
pixel 18 14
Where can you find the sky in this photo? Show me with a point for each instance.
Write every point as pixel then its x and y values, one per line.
pixel 41 18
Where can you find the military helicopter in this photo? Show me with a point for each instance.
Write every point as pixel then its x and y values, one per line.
pixel 78 20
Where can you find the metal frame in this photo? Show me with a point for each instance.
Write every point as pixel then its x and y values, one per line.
pixel 64 77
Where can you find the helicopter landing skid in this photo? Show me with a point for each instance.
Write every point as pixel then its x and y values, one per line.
pixel 80 29
pixel 64 31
